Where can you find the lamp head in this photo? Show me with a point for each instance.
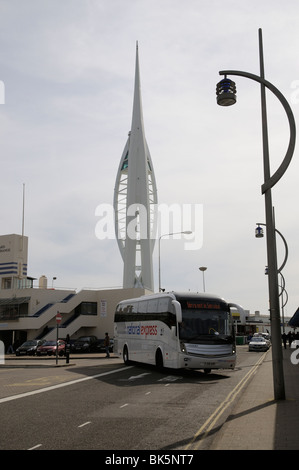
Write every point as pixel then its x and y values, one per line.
pixel 259 232
pixel 226 92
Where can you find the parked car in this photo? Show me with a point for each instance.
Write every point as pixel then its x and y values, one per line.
pixel 101 347
pixel 49 348
pixel 258 343
pixel 29 348
pixel 84 344
pixel 295 344
pixel 266 337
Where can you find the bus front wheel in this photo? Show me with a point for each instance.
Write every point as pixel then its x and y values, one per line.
pixel 126 355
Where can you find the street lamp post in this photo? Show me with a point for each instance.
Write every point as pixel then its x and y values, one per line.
pixel 187 232
pixel 283 303
pixel 226 95
pixel 259 234
pixel 203 269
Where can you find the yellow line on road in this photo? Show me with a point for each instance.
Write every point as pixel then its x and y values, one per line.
pixel 204 430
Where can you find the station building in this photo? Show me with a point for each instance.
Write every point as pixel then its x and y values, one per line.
pixel 247 324
pixel 29 312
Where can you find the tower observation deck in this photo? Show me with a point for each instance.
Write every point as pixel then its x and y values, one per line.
pixel 135 201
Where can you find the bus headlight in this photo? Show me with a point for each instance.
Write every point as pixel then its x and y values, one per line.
pixel 183 347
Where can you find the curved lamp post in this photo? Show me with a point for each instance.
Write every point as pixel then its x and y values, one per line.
pixel 259 234
pixel 226 96
pixel 283 303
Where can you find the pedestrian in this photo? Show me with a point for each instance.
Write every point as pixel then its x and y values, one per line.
pixel 290 338
pixel 284 339
pixel 107 344
pixel 10 350
pixel 67 349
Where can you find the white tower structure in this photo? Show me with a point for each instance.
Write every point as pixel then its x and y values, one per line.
pixel 135 201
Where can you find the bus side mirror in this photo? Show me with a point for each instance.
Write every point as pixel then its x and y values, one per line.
pixel 241 311
pixel 177 310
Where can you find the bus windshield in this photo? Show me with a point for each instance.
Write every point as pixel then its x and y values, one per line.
pixel 207 325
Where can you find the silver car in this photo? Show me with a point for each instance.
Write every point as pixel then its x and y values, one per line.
pixel 258 343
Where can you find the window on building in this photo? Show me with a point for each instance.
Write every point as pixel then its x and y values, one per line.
pixel 11 309
pixel 87 308
pixel 6 283
pixel 125 163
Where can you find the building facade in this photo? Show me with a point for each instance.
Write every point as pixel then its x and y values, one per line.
pixel 29 312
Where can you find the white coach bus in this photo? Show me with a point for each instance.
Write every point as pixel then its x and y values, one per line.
pixel 176 330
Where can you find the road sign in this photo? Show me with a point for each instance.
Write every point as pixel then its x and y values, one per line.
pixel 58 318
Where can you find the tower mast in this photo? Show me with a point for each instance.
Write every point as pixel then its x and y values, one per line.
pixel 135 201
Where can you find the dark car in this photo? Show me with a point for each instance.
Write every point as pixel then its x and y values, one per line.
pixel 84 344
pixel 49 348
pixel 29 348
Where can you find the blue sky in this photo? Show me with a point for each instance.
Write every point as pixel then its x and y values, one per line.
pixel 68 70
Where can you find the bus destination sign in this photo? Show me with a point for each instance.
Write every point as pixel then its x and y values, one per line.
pixel 204 305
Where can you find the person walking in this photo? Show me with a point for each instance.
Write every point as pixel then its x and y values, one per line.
pixel 107 344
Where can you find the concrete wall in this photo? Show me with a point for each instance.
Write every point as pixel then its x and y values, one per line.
pixel 82 325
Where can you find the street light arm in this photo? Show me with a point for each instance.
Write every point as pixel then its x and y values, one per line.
pixel 285 245
pixel 289 154
pixel 286 253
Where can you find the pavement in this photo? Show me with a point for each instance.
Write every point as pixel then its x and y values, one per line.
pixel 11 360
pixel 258 421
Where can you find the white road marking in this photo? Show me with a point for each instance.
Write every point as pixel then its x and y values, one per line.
pixel 65 384
pixel 35 447
pixel 170 378
pixel 140 376
pixel 84 424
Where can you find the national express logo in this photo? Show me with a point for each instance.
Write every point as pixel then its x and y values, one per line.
pixel 141 330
